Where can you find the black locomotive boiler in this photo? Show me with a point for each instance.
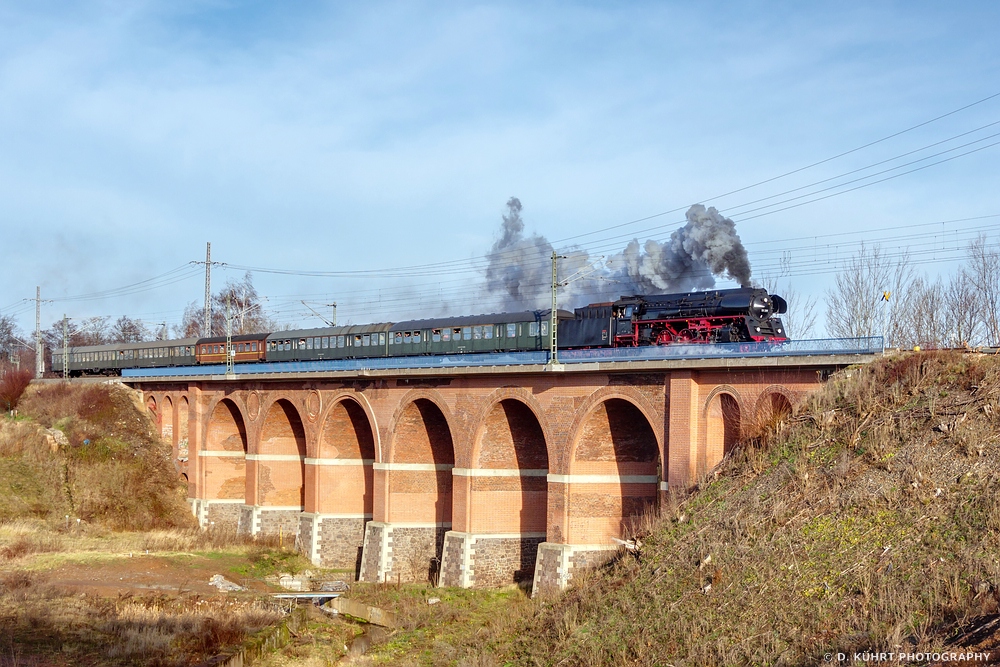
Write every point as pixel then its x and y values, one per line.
pixel 738 315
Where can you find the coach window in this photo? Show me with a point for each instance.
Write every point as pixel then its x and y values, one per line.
pixel 381 339
pixel 477 333
pixel 365 340
pixel 341 342
pixel 309 344
pixel 466 333
pixel 435 335
pixel 326 342
pixel 488 332
pixel 533 328
pixel 511 331
pixel 545 328
pixel 416 336
pixel 397 338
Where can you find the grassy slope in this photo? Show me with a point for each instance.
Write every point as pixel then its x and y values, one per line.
pixel 870 522
pixel 121 478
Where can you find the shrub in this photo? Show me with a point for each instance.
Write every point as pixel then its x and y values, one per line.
pixel 13 382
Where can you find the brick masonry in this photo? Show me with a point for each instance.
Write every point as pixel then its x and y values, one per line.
pixel 573 455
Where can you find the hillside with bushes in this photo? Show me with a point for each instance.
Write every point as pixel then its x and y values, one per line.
pixel 88 452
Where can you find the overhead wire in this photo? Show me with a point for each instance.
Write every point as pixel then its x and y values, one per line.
pixel 477 264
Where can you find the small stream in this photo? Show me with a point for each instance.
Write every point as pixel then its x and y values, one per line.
pixel 373 634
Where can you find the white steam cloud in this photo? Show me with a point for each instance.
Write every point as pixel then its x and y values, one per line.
pixel 519 273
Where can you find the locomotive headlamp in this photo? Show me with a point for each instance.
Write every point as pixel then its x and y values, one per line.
pixel 760 306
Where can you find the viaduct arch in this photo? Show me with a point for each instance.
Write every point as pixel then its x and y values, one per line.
pixel 476 479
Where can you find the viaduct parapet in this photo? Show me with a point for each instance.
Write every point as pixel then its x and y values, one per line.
pixel 472 477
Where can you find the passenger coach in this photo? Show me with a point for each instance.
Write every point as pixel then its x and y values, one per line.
pixel 110 359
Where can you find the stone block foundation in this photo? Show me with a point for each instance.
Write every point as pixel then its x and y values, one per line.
pixel 556 564
pixel 217 514
pixel 403 552
pixel 481 561
pixel 331 540
pixel 258 520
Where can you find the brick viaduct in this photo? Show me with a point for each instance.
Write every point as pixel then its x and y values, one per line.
pixel 469 477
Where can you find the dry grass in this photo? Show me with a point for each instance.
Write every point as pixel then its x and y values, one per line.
pixel 114 470
pixel 867 521
pixel 46 625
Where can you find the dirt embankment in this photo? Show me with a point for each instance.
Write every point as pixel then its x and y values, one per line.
pixel 90 453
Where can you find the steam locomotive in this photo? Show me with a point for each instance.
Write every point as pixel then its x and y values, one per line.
pixel 719 316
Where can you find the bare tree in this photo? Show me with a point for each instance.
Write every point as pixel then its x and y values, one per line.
pixel 52 338
pixel 963 304
pixel 800 320
pixel 128 330
pixel 95 331
pixel 193 318
pixel 9 337
pixel 923 318
pixel 869 296
pixel 984 275
pixel 245 307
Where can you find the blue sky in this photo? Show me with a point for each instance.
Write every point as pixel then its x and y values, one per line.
pixel 337 137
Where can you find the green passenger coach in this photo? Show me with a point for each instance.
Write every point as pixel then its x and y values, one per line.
pixel 497 332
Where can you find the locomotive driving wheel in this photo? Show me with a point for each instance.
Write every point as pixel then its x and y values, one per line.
pixel 685 336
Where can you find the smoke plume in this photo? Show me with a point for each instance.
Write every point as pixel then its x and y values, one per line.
pixel 705 248
pixel 519 270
